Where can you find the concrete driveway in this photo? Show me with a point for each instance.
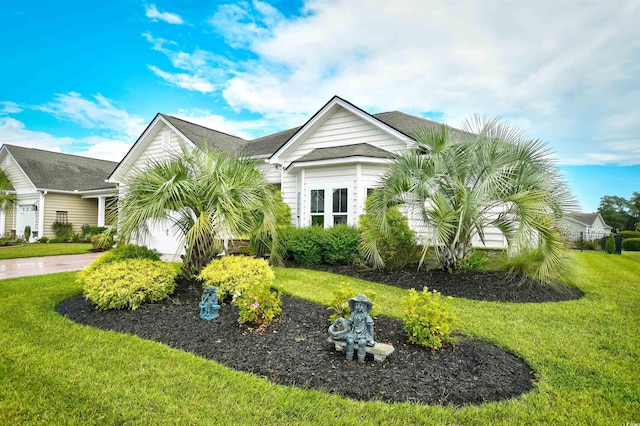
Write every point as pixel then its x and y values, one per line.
pixel 12 268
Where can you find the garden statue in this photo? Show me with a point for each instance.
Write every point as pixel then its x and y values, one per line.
pixel 358 329
pixel 209 306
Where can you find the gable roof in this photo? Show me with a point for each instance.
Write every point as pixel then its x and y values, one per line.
pixel 587 219
pixel 201 135
pixel 63 172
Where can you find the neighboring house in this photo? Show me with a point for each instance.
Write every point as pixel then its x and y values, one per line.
pixel 51 187
pixel 325 169
pixel 590 225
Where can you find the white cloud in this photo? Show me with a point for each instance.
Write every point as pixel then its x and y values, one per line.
pixel 14 132
pixel 7 107
pixel 153 13
pixel 96 113
pixel 574 80
pixel 184 80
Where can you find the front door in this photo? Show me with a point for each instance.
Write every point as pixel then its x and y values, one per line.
pixel 26 217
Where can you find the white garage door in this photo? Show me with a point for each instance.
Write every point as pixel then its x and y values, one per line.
pixel 164 239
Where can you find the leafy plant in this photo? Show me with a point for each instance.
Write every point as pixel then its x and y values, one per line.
pixel 304 246
pixel 631 244
pixel 340 302
pixel 127 283
pixel 396 248
pixel 341 245
pixel 43 240
pixel 476 260
pixel 231 274
pixel 27 232
pixel 258 305
pixel 427 318
pixel 127 251
pixel 62 230
pixel 103 241
pixel 610 245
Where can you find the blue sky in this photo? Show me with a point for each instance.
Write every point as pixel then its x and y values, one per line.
pixel 87 77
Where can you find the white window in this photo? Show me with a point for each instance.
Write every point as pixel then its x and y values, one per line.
pixel 317 207
pixel 340 206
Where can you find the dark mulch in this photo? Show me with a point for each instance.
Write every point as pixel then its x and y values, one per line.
pixel 477 285
pixel 294 350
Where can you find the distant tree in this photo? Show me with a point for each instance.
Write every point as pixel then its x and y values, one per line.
pixel 634 208
pixel 616 212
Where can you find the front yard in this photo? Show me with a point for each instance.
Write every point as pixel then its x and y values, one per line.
pixel 585 354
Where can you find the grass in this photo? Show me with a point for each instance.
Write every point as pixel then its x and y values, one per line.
pixel 37 249
pixel 586 355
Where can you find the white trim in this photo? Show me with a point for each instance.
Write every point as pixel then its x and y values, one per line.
pixel 41 214
pixel 338 161
pixel 322 116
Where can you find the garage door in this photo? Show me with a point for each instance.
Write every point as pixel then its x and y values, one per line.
pixel 164 239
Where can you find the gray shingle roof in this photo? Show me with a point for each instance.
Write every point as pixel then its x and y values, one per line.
pixel 64 172
pixel 200 135
pixel 585 218
pixel 356 150
pixel 269 144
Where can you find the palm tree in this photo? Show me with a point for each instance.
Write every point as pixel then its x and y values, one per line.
pixel 460 182
pixel 207 196
pixel 7 198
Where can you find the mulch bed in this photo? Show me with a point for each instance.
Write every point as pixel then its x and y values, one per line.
pixel 294 349
pixel 477 285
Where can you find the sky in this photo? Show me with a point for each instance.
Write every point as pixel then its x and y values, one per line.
pixel 86 78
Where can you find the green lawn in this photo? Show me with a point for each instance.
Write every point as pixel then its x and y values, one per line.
pixel 37 249
pixel 586 355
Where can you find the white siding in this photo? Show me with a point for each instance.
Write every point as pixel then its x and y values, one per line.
pixel 19 180
pixel 158 149
pixel 344 128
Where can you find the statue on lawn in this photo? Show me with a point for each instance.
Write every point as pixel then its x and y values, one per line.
pixel 358 329
pixel 209 306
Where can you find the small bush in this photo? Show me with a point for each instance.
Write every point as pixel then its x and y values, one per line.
pixel 128 283
pixel 610 245
pixel 427 318
pixel 399 248
pixel 476 260
pixel 43 240
pixel 341 245
pixel 231 274
pixel 89 230
pixel 524 263
pixel 62 230
pixel 303 245
pixel 629 234
pixel 258 305
pixel 103 241
pixel 631 244
pixel 59 240
pixel 127 251
pixel 340 302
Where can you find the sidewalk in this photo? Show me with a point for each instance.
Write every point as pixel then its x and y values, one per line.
pixel 13 268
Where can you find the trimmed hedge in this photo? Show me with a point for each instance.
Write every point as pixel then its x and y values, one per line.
pixel 127 283
pixel 231 274
pixel 629 234
pixel 631 244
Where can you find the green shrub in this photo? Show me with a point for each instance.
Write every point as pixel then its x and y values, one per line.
pixel 43 240
pixel 103 241
pixel 27 232
pixel 127 283
pixel 62 230
pixel 427 318
pixel 476 260
pixel 89 230
pixel 399 248
pixel 231 274
pixel 631 244
pixel 258 305
pixel 303 245
pixel 127 251
pixel 629 234
pixel 341 245
pixel 610 246
pixel 340 302
pixel 59 240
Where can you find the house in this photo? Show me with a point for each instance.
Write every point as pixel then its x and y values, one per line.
pixel 586 225
pixel 325 168
pixel 52 186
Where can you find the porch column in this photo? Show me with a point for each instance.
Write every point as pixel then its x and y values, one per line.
pixel 41 214
pixel 101 210
pixel 3 218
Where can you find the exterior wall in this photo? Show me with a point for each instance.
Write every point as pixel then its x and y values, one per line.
pixel 80 211
pixel 345 128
